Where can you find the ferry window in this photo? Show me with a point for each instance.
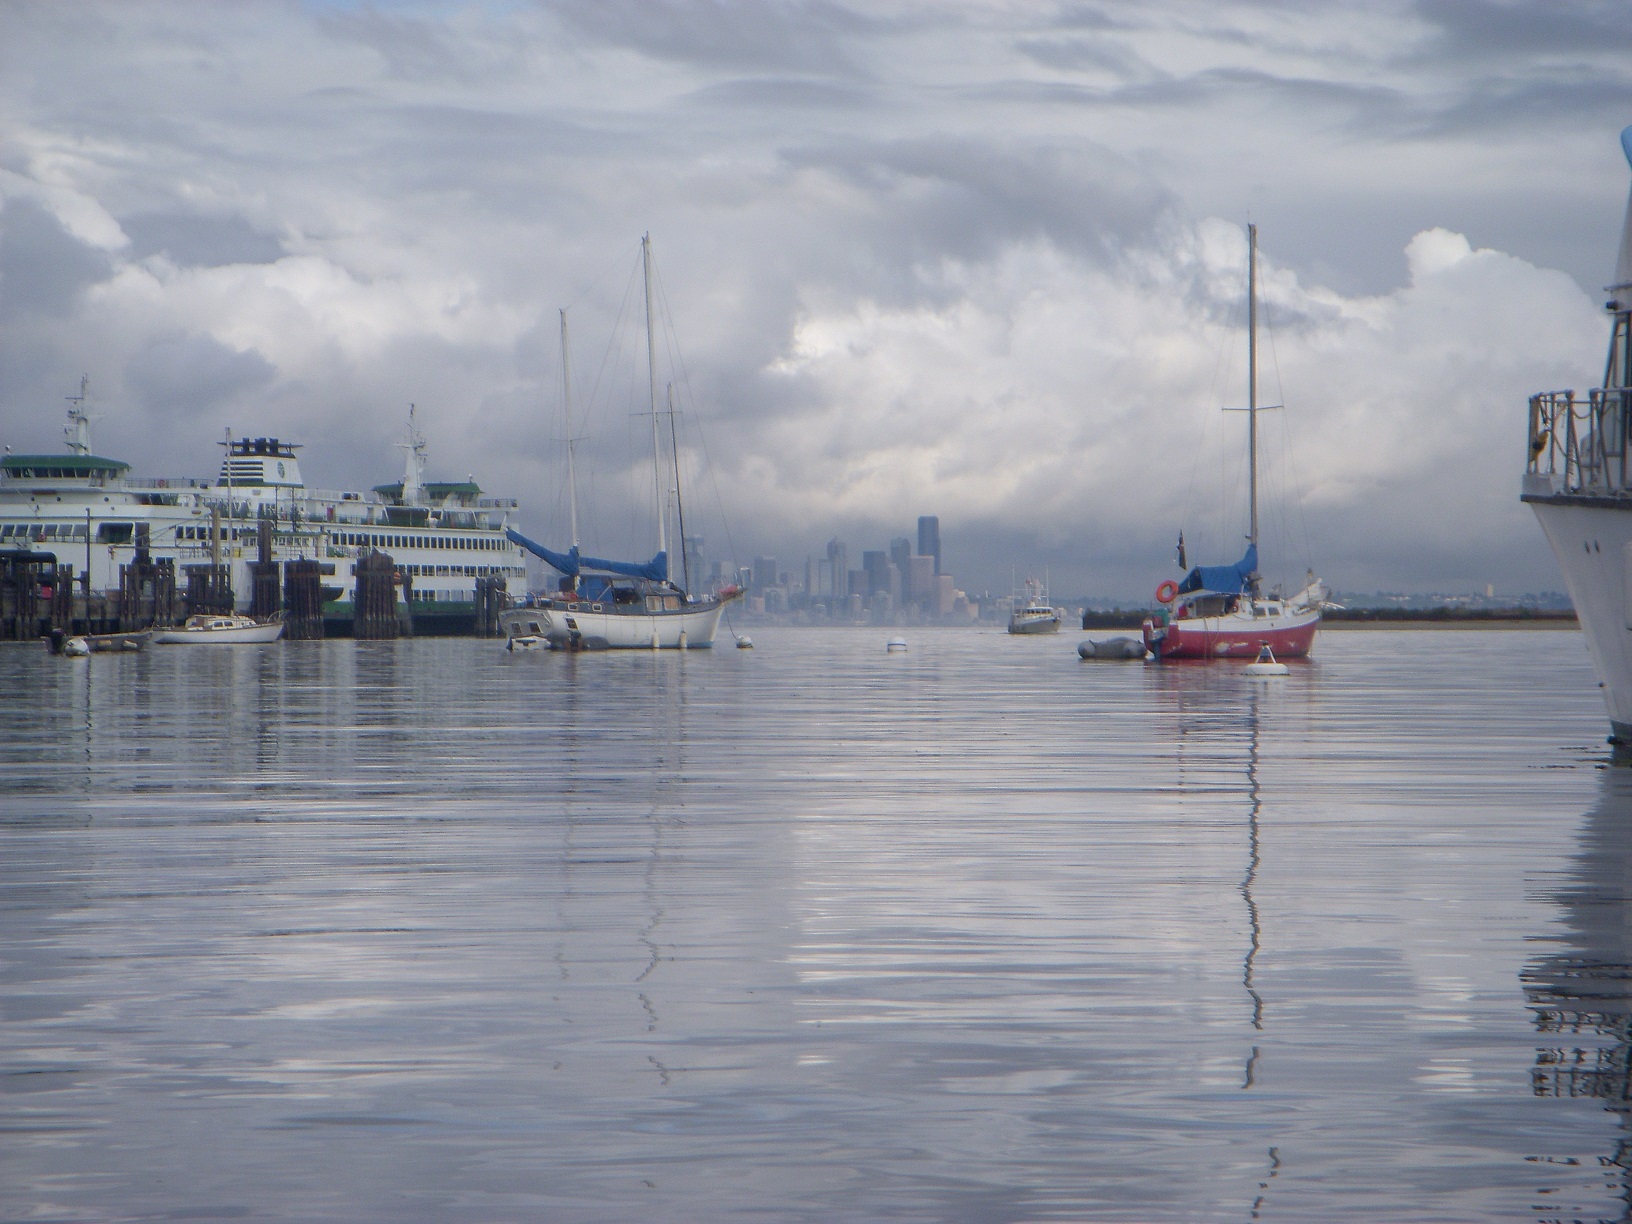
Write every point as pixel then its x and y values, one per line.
pixel 50 531
pixel 79 532
pixel 115 533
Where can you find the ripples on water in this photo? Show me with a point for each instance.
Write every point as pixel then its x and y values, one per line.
pixel 979 932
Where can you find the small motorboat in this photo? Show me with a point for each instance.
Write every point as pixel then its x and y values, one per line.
pixel 1032 613
pixel 1265 664
pixel 527 641
pixel 220 629
pixel 77 645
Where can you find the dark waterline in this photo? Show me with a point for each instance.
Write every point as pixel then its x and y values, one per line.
pixel 979 932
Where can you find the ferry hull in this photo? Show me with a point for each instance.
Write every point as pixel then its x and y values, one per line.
pixel 577 629
pixel 1232 637
pixel 1593 544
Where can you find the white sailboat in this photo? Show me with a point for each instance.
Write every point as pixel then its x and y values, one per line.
pixel 619 605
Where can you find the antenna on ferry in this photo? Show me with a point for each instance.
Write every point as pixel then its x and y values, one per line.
pixel 78 429
pixel 413 472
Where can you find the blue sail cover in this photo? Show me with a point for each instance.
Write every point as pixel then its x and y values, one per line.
pixel 571 563
pixel 1223 579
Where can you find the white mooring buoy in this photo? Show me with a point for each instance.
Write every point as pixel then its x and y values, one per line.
pixel 1264 664
pixel 895 644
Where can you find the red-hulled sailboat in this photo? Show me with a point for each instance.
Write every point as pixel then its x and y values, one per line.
pixel 1220 611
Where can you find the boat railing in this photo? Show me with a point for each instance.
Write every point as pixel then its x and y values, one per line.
pixel 1581 446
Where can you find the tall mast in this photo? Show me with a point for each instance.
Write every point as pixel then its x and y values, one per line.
pixel 566 408
pixel 1252 382
pixel 679 504
pixel 651 370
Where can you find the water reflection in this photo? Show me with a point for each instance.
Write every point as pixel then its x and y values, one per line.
pixel 1219 719
pixel 1581 994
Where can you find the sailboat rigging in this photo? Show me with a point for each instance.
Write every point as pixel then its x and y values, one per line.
pixel 1222 611
pixel 604 604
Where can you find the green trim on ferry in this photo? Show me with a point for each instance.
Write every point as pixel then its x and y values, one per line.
pixel 435 490
pixel 61 467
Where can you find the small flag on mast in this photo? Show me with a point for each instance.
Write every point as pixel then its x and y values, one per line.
pixel 1183 564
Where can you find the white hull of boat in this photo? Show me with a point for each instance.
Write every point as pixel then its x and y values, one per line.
pixel 1593 544
pixel 1035 622
pixel 233 635
pixel 575 627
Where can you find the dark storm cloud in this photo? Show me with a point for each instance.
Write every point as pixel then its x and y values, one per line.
pixel 969 198
pixel 808 36
pixel 1516 33
pixel 1504 107
pixel 43 268
pixel 193 374
pixel 194 241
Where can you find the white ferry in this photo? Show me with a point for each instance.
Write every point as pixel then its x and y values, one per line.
pixel 92 514
pixel 1579 483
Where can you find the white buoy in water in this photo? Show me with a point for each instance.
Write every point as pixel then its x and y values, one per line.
pixel 77 647
pixel 1264 664
pixel 895 644
pixel 745 642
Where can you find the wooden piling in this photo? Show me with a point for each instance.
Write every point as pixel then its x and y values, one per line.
pixel 265 597
pixel 374 602
pixel 209 589
pixel 147 591
pixel 20 603
pixel 303 601
pixel 491 599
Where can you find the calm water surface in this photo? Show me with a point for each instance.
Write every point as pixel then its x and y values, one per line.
pixel 427 931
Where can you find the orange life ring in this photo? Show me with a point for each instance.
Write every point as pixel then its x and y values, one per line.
pixel 1167 592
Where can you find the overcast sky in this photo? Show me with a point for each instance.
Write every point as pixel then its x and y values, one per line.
pixel 979 260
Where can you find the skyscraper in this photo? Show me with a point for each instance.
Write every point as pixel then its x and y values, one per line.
pixel 838 564
pixel 876 566
pixel 929 538
pixel 764 573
